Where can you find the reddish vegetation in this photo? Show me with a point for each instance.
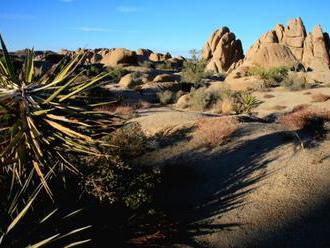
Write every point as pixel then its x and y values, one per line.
pixel 214 131
pixel 303 117
pixel 320 98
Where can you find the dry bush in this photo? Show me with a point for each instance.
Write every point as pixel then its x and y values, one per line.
pixel 166 97
pixel 268 96
pixel 227 106
pixel 128 142
pixel 320 97
pixel 214 131
pixel 278 107
pixel 125 110
pixel 305 118
pixel 296 82
pixel 143 105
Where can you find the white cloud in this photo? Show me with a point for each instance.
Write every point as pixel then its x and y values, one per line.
pixel 12 16
pixel 127 9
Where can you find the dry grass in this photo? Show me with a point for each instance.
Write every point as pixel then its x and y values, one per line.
pixel 305 118
pixel 125 110
pixel 320 97
pixel 278 107
pixel 212 132
pixel 227 106
pixel 269 96
pixel 307 93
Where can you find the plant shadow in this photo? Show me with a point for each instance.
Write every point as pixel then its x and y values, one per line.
pixel 223 179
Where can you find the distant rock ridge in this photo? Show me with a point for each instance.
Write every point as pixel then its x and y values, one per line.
pixel 121 56
pixel 222 50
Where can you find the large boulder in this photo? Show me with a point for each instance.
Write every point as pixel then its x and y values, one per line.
pixel 131 80
pixel 316 50
pixel 166 78
pixel 222 50
pixel 119 57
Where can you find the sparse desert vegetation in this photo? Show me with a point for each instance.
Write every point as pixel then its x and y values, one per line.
pixel 139 148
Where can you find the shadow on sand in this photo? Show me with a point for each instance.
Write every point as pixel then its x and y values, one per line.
pixel 223 179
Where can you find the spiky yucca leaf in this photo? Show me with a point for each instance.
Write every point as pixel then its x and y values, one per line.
pixel 43 232
pixel 44 121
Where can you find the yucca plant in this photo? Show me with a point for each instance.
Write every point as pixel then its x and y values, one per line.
pixel 53 229
pixel 45 120
pixel 246 103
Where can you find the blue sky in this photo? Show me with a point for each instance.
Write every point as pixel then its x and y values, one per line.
pixel 162 25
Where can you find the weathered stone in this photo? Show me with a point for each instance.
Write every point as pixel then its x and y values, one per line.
pixel 222 50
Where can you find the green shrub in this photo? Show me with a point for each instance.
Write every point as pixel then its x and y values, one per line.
pixel 271 76
pixel 117 73
pixel 245 103
pixel 199 99
pixel 194 69
pixel 148 64
pixel 114 179
pixel 164 66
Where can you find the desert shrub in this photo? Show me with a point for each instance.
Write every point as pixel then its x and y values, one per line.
pixel 125 110
pixel 245 103
pixel 113 179
pixel 305 118
pixel 117 73
pixel 166 97
pixel 164 66
pixel 320 97
pixel 212 132
pixel 194 70
pixel 279 107
pixel 148 64
pixel 271 76
pixel 268 96
pixel 200 99
pixel 227 105
pixel 127 142
pixel 295 83
pixel 114 182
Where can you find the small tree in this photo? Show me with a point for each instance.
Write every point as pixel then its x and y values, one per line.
pixel 194 70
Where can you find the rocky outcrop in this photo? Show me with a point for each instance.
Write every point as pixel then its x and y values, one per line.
pixel 166 78
pixel 119 57
pixel 290 46
pixel 222 50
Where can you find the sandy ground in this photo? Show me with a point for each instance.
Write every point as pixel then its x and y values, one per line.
pixel 259 190
pixel 286 100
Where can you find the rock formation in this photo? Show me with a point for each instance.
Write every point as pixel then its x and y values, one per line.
pixel 290 46
pixel 222 50
pixel 119 56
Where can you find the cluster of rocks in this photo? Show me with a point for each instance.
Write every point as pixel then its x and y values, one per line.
pixel 288 46
pixel 123 57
